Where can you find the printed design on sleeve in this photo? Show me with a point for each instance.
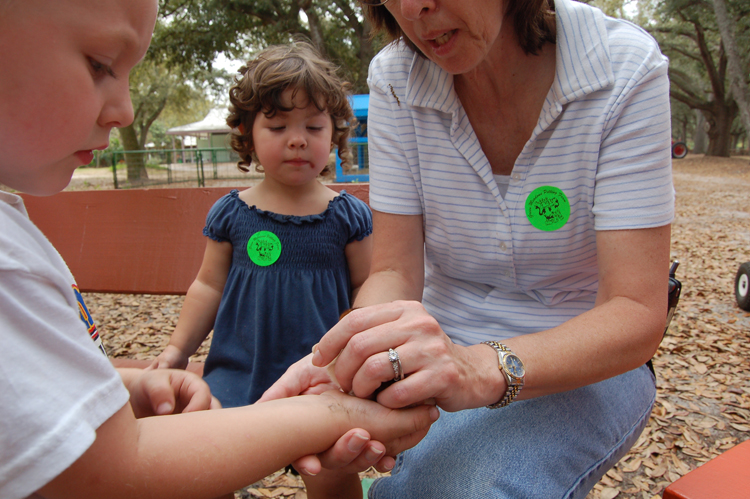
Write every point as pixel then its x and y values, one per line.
pixel 86 318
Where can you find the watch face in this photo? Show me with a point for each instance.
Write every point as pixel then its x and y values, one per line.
pixel 514 366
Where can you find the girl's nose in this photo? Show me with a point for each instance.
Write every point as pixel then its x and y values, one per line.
pixel 297 141
pixel 117 110
pixel 415 9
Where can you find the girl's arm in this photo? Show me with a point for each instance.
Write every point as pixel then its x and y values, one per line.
pixel 358 257
pixel 208 453
pixel 200 307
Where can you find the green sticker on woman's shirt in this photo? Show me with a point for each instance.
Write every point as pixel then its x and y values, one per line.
pixel 547 208
pixel 264 248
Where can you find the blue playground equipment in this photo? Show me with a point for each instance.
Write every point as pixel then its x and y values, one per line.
pixel 360 171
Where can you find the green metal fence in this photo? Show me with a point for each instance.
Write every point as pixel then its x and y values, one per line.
pixel 133 169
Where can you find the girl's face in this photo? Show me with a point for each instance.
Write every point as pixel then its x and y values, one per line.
pixel 64 84
pixel 456 35
pixel 293 147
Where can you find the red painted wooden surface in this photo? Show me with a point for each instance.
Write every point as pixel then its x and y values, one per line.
pixel 142 241
pixel 726 476
pixel 196 367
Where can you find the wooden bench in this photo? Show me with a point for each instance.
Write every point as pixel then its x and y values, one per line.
pixel 140 241
pixel 726 476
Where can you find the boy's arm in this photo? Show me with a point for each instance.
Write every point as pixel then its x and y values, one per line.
pixel 199 308
pixel 209 453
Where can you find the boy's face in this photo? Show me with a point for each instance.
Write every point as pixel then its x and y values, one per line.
pixel 64 84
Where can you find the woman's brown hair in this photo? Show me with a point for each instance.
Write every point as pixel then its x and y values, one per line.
pixel 261 82
pixel 533 21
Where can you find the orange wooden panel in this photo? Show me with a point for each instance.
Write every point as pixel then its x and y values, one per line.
pixel 726 476
pixel 144 241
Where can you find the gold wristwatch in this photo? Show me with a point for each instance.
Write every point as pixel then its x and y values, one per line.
pixel 512 368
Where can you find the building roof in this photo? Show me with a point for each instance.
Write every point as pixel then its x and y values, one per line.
pixel 216 119
pixel 214 122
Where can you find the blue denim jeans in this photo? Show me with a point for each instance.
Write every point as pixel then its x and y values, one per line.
pixel 557 446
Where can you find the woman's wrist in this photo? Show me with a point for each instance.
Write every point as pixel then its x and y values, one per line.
pixel 490 383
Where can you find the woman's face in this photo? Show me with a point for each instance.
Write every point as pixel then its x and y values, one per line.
pixel 455 34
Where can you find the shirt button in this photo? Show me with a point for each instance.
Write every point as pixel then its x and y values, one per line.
pixel 507 273
pixel 502 246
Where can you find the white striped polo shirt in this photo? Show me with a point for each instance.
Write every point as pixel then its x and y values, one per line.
pixel 603 138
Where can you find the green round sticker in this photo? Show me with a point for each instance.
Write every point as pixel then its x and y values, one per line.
pixel 264 248
pixel 547 208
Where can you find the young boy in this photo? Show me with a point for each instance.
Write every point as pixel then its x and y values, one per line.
pixel 68 424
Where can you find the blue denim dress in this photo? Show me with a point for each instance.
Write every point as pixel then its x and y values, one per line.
pixel 271 315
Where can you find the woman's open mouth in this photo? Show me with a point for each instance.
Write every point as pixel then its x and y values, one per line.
pixel 442 39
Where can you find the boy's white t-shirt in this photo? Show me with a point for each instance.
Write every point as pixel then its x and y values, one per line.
pixel 56 385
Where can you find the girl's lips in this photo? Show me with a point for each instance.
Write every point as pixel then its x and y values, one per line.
pixel 298 162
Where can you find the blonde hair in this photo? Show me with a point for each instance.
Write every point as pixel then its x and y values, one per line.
pixel 263 80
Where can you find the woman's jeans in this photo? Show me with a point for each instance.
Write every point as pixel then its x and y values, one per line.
pixel 557 446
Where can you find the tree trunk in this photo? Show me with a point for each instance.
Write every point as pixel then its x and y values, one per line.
pixel 737 80
pixel 136 161
pixel 700 138
pixel 720 130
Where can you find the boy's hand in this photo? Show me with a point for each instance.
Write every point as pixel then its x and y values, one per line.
pixel 171 358
pixel 162 391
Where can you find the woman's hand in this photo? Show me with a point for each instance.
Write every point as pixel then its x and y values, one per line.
pixel 162 391
pixel 397 429
pixel 354 451
pixel 454 377
pixel 302 378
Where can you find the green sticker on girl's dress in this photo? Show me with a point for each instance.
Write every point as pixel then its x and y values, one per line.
pixel 264 248
pixel 547 208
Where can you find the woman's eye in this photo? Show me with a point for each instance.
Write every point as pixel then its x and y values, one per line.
pixel 100 69
pixel 276 128
pixel 315 128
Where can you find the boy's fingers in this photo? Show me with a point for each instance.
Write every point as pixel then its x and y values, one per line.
pixel 160 394
pixel 194 393
pixel 308 465
pixel 215 404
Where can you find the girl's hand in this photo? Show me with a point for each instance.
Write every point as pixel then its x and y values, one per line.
pixel 162 391
pixel 454 377
pixel 171 358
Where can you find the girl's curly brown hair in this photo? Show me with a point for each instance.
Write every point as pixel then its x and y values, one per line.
pixel 261 82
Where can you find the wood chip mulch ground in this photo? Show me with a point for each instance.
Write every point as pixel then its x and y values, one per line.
pixel 703 365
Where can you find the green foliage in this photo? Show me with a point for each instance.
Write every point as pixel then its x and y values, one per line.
pixel 193 32
pixel 688 34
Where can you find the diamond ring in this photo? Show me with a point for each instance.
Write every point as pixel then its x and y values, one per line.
pixel 398 371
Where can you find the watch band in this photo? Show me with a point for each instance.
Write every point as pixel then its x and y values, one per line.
pixel 514 374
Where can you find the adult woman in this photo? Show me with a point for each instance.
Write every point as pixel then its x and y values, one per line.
pixel 519 154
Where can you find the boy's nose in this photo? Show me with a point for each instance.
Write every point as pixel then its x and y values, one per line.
pixel 117 110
